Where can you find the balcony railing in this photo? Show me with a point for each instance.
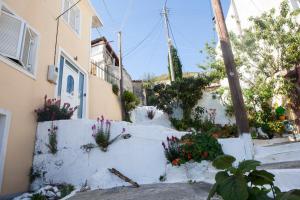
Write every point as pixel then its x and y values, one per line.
pixel 102 72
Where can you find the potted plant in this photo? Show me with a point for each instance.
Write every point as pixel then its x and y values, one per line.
pixel 280 113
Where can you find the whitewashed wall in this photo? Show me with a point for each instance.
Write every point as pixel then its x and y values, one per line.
pixel 208 102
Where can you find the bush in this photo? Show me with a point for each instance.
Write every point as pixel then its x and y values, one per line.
pixel 52 111
pixel 195 146
pixel 245 182
pixel 184 93
pixel 200 146
pixel 65 189
pixel 130 102
pixel 150 114
pixel 115 89
pixel 38 196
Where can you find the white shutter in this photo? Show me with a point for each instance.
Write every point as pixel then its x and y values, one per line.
pixel 28 50
pixel 77 20
pixel 66 5
pixel 72 19
pixel 11 32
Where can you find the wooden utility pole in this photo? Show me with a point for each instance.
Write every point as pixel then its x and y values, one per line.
pixel 121 75
pixel 232 75
pixel 165 14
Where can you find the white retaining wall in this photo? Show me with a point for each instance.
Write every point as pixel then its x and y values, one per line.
pixel 141 157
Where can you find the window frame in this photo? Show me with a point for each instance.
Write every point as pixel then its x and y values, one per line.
pixel 3 150
pixel 67 21
pixel 18 66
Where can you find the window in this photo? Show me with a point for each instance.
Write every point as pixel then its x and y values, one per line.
pixel 18 41
pixel 70 84
pixel 72 17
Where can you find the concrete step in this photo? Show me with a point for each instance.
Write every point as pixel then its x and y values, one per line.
pixel 281 165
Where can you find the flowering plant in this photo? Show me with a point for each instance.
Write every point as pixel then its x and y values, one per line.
pixel 52 110
pixel 172 150
pixel 102 134
pixel 193 146
pixel 52 133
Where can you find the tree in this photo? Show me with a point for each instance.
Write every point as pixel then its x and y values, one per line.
pixel 176 64
pixel 264 53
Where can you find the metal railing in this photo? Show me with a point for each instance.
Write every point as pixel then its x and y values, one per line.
pixel 102 72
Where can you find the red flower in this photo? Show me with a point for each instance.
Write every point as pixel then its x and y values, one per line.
pixel 204 154
pixel 189 156
pixel 176 162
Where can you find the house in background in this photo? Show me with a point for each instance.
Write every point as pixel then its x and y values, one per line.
pixel 34 62
pixel 105 64
pixel 241 10
pixel 139 91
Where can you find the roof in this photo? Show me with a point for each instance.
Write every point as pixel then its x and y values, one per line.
pixel 96 21
pixel 103 40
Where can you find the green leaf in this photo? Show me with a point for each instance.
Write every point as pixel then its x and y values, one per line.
pixel 212 192
pixel 290 195
pixel 261 177
pixel 256 193
pixel 221 177
pixel 248 165
pixel 223 162
pixel 233 188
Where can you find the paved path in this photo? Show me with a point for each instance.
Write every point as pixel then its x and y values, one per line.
pixel 175 191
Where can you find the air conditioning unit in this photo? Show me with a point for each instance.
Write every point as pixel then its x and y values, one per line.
pixel 52 74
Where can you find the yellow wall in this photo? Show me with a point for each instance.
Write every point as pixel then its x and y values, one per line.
pixel 21 94
pixel 103 101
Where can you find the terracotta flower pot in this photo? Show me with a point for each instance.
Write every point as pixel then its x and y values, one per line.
pixel 282 117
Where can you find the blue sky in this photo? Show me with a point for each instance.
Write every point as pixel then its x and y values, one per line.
pixel 191 26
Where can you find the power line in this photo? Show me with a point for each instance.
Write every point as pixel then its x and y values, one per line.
pixel 107 11
pixel 172 33
pixel 126 15
pixel 143 40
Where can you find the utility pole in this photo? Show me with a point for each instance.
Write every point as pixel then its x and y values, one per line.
pixel 232 75
pixel 121 75
pixel 165 14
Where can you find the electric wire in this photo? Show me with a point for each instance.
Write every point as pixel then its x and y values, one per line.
pixel 127 14
pixel 107 11
pixel 143 40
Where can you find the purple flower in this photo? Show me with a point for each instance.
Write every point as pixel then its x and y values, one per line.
pixel 94 127
pixel 98 119
pixel 123 130
pixel 102 118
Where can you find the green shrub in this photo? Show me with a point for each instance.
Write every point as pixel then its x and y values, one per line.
pixel 184 93
pixel 195 146
pixel 38 196
pixel 65 189
pixel 130 103
pixel 245 182
pixel 150 114
pixel 115 89
pixel 200 146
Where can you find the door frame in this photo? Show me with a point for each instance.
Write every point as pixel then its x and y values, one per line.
pixel 80 69
pixel 7 122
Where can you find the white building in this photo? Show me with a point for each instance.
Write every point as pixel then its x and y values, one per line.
pixel 105 64
pixel 241 10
